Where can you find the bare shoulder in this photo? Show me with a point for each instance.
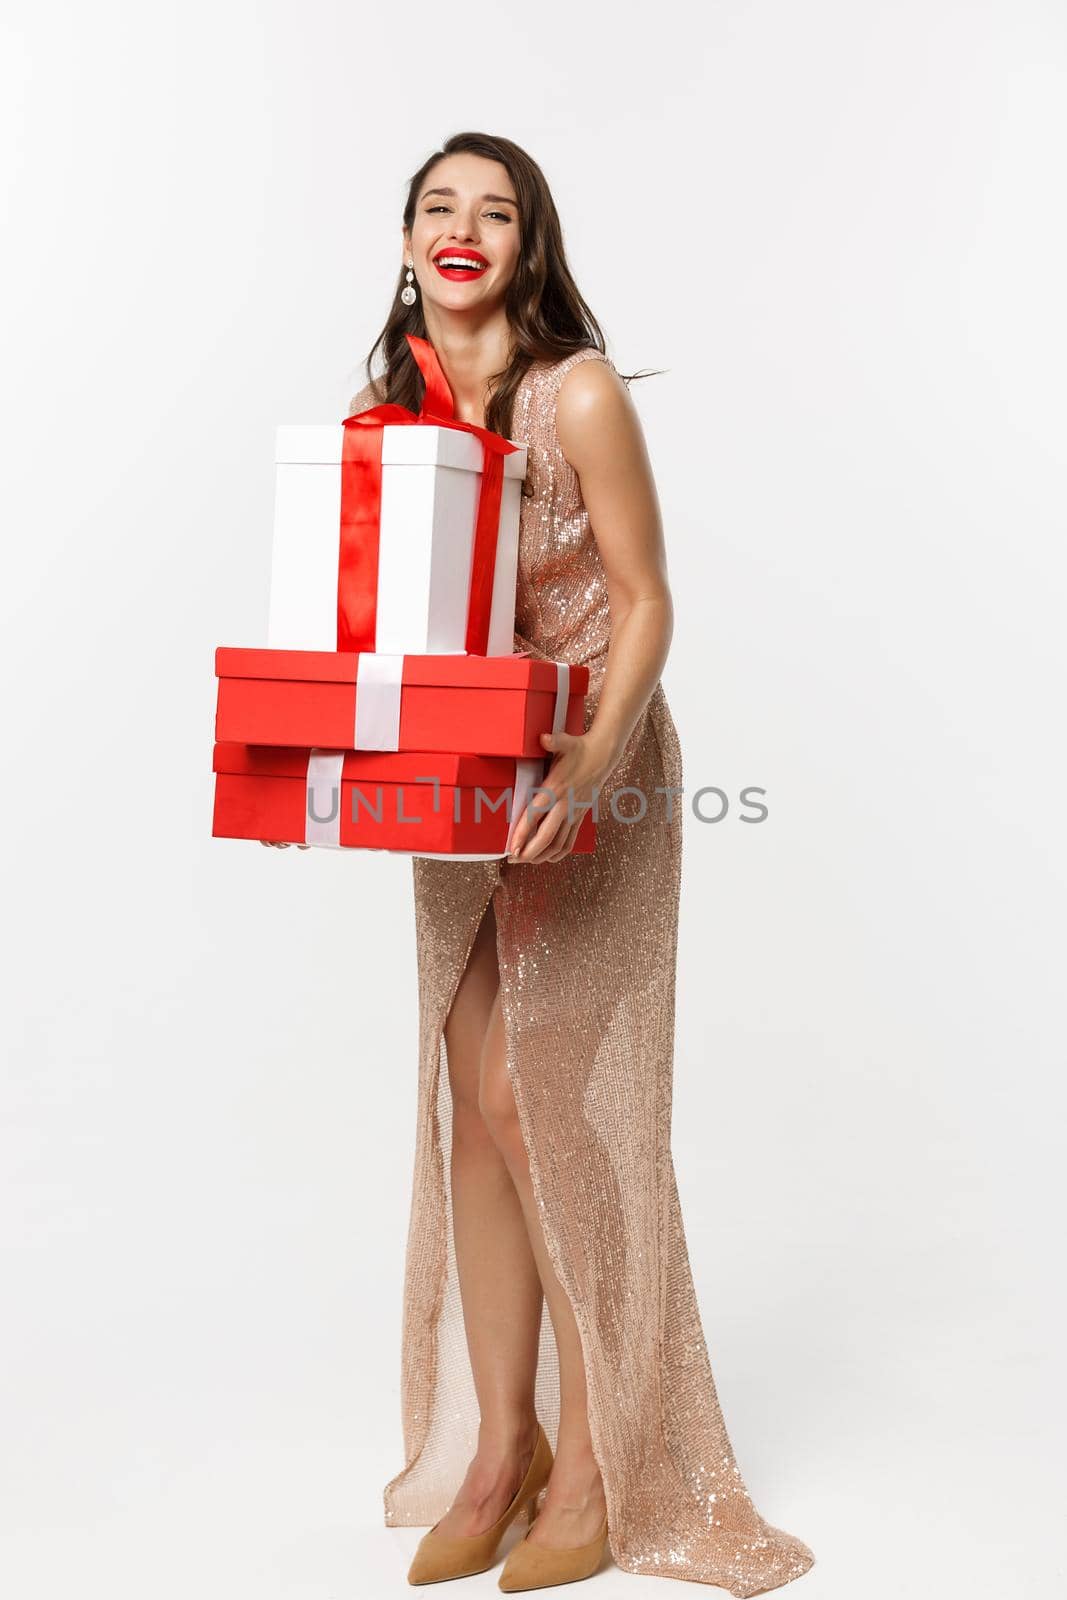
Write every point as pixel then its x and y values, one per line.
pixel 594 411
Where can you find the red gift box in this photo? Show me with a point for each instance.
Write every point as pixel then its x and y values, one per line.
pixel 414 802
pixel 478 705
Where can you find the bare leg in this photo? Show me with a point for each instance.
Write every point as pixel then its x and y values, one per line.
pixel 498 1278
pixel 574 1505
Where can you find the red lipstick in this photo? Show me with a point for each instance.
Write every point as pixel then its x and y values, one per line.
pixel 456 273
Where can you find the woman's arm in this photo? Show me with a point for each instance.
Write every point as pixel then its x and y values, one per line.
pixel 600 435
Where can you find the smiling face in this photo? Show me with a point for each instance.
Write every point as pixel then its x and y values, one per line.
pixel 464 240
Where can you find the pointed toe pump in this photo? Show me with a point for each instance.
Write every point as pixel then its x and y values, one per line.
pixel 439 1556
pixel 538 1566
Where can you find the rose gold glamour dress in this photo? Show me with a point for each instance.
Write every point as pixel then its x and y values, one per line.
pixel 586 950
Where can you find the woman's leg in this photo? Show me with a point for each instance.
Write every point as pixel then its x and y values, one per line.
pixel 574 1504
pixel 500 1287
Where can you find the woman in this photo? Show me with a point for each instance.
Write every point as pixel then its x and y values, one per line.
pixel 543 1168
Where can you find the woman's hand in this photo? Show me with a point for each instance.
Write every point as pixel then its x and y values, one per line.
pixel 282 844
pixel 582 763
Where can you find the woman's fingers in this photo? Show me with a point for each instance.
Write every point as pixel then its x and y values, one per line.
pixel 565 844
pixel 545 836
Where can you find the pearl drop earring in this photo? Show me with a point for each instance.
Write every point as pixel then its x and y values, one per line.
pixel 407 293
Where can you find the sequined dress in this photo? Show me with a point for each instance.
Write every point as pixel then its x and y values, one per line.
pixel 586 949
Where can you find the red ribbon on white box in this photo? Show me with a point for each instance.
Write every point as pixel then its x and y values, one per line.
pixel 361 497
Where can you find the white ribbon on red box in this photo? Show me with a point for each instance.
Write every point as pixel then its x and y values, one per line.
pixel 323 778
pixel 379 681
pixel 379 684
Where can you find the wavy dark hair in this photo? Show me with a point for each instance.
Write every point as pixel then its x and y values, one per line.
pixel 548 316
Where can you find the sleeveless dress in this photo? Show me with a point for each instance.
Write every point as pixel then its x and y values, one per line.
pixel 586 949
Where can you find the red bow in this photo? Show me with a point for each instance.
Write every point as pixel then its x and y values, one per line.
pixel 361 500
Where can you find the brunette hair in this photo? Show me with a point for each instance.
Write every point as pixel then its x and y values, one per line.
pixel 549 318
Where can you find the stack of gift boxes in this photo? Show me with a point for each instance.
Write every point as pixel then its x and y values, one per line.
pixel 390 711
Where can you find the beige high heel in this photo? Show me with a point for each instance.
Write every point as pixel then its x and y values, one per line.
pixel 439 1556
pixel 538 1566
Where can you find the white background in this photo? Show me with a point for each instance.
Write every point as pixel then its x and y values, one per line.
pixel 839 227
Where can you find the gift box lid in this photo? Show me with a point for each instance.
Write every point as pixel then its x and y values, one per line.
pixel 519 671
pixel 409 444
pixel 383 766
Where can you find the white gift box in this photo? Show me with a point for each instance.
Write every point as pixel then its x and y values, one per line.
pixel 431 477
